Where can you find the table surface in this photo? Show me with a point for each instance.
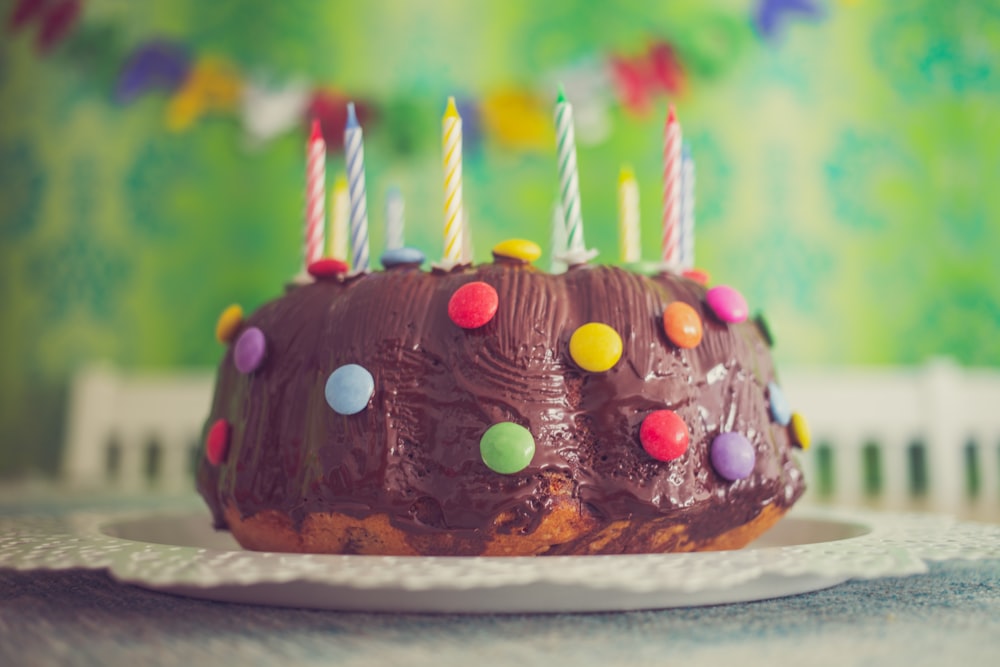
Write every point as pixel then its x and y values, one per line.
pixel 950 614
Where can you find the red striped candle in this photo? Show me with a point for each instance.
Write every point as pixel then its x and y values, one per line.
pixel 671 191
pixel 315 195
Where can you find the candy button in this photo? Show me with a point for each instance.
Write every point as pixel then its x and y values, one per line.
pixel 399 256
pixel 732 456
pixel 664 435
pixel 328 267
pixel 780 410
pixel 249 351
pixel 507 448
pixel 682 325
pixel 349 388
pixel 697 275
pixel 727 304
pixel 800 431
pixel 217 442
pixel 595 347
pixel 473 305
pixel 526 251
pixel 228 323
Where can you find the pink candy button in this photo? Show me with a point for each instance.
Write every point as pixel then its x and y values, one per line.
pixel 727 304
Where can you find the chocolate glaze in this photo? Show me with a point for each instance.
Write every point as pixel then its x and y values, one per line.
pixel 413 454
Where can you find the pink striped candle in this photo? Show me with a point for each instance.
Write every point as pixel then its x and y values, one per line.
pixel 315 232
pixel 671 192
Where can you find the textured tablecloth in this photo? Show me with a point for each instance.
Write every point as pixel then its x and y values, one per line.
pixel 949 616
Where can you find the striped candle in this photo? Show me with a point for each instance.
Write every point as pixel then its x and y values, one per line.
pixel 394 221
pixel 451 145
pixel 628 216
pixel 340 213
pixel 355 150
pixel 687 208
pixel 569 182
pixel 670 254
pixel 315 196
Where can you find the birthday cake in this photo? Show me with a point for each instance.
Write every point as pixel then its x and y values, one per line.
pixel 497 409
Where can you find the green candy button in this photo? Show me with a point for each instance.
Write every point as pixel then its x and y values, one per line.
pixel 507 448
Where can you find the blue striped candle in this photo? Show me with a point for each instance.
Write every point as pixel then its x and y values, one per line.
pixel 687 208
pixel 355 150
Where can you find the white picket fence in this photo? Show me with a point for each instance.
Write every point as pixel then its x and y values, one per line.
pixel 923 437
pixel 135 431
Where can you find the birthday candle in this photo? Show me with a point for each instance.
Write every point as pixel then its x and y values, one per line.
pixel 340 212
pixel 558 242
pixel 628 216
pixel 394 219
pixel 687 208
pixel 451 126
pixel 671 191
pixel 315 195
pixel 355 150
pixel 569 182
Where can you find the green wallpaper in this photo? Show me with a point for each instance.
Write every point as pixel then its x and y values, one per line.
pixel 845 171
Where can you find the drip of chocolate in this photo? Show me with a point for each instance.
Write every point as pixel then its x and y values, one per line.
pixel 413 453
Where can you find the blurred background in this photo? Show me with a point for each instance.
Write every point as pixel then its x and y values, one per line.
pixel 152 163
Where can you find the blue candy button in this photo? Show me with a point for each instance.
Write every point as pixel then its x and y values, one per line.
pixel 781 411
pixel 397 256
pixel 349 388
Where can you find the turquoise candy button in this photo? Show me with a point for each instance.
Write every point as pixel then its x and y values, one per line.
pixel 398 256
pixel 781 411
pixel 507 448
pixel 349 388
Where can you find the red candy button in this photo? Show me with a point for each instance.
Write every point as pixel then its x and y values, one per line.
pixel 664 435
pixel 328 267
pixel 699 276
pixel 473 305
pixel 217 442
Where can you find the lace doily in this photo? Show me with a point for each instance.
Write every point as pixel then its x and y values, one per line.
pixel 833 546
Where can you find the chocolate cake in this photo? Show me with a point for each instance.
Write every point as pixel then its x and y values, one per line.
pixel 498 409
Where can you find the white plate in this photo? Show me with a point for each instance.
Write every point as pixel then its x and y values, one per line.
pixel 809 550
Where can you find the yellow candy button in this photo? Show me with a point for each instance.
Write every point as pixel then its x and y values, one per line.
pixel 526 251
pixel 229 321
pixel 595 347
pixel 800 431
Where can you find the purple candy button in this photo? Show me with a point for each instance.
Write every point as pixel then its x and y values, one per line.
pixel 727 303
pixel 732 456
pixel 249 351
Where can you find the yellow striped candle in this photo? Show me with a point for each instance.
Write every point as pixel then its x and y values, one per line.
pixel 452 158
pixel 628 216
pixel 340 213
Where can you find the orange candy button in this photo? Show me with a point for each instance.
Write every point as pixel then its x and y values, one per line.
pixel 682 325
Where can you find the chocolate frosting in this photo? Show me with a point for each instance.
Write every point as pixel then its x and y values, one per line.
pixel 413 453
